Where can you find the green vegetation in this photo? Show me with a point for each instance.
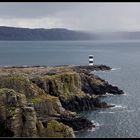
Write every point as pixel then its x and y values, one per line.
pixel 20 84
pixel 42 98
pixel 64 85
pixel 59 130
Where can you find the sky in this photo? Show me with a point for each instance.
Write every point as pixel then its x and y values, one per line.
pixel 92 16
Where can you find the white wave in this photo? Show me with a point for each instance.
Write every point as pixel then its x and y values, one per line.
pixel 115 69
pixel 93 121
pixel 125 93
pixel 97 124
pixel 92 129
pixel 110 112
pixel 109 94
pixel 119 106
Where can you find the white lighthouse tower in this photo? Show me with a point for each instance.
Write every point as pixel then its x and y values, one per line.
pixel 90 60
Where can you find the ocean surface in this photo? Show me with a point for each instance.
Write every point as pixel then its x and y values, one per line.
pixel 121 121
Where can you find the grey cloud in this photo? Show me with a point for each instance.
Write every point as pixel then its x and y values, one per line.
pixel 80 16
pixel 32 9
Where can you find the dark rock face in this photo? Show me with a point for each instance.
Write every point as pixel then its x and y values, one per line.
pixel 77 123
pixel 113 89
pixel 78 104
pixel 4 131
pixel 91 68
pixel 96 86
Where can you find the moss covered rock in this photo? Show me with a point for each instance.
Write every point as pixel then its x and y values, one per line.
pixel 9 100
pixel 63 85
pixel 20 83
pixel 48 106
pixel 28 95
pixel 16 118
pixel 43 103
pixel 59 130
pixel 68 86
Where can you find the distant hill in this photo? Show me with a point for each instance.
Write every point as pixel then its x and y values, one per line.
pixel 41 34
pixel 13 33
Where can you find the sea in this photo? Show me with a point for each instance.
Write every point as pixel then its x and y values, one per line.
pixel 123 56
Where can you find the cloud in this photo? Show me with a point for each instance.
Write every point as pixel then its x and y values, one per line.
pixel 33 23
pixel 33 9
pixel 78 16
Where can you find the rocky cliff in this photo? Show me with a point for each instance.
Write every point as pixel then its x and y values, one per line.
pixel 17 119
pixel 43 101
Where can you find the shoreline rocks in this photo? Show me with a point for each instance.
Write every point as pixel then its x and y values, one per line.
pixel 48 98
pixel 77 123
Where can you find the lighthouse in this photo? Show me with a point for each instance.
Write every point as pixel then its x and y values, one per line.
pixel 90 60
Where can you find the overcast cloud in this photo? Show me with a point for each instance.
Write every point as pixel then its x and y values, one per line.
pixel 78 16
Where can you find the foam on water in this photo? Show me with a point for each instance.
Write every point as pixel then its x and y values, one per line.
pixel 108 94
pixel 115 69
pixel 119 106
pixel 125 94
pixel 96 123
pixel 110 112
pixel 92 129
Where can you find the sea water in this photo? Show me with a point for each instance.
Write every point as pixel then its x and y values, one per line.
pixel 122 55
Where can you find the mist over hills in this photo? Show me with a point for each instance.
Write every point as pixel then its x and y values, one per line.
pixel 41 34
pixel 119 35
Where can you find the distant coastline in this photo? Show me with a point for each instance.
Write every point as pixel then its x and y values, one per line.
pixel 41 34
pixel 61 34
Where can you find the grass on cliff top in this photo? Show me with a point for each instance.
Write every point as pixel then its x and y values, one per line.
pixel 42 98
pixel 66 82
pixel 34 70
pixel 20 84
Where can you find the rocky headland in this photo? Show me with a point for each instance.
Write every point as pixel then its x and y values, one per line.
pixel 43 101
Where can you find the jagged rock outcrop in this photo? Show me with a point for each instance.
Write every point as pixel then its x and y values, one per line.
pixel 77 123
pixel 91 68
pixel 19 120
pixel 38 102
pixel 94 85
pixel 43 103
pixel 87 102
pixel 58 130
pixel 76 90
pixel 64 85
pixel 15 115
